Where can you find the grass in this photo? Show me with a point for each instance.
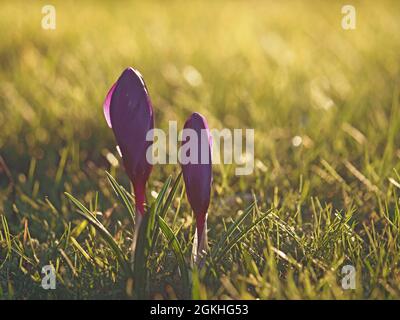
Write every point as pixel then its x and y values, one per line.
pixel 286 69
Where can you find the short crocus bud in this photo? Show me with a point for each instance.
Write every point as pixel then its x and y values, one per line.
pixel 196 164
pixel 128 111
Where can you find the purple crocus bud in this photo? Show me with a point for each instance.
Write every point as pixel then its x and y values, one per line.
pixel 196 164
pixel 129 112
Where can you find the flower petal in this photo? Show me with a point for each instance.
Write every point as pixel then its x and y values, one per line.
pixel 131 115
pixel 106 105
pixel 198 176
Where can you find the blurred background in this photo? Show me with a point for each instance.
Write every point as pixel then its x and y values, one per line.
pixel 286 69
pixel 324 101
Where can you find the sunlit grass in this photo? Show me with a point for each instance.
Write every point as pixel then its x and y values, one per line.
pixel 287 69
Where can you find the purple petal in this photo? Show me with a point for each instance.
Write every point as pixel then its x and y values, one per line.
pixel 198 176
pixel 106 104
pixel 131 115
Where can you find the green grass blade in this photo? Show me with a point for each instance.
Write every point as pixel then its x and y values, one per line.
pixel 176 248
pixel 145 241
pixel 7 238
pixel 232 228
pixel 167 203
pixel 140 271
pixel 239 236
pixel 196 290
pixel 121 193
pixel 171 195
pixel 158 207
pixel 85 213
pixel 161 195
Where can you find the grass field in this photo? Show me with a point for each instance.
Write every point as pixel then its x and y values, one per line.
pixel 324 103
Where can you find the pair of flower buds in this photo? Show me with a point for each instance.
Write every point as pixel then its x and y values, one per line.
pixel 129 112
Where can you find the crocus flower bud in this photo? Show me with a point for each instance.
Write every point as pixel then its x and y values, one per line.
pixel 196 164
pixel 129 112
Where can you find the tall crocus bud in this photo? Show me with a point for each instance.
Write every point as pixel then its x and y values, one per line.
pixel 128 111
pixel 195 158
